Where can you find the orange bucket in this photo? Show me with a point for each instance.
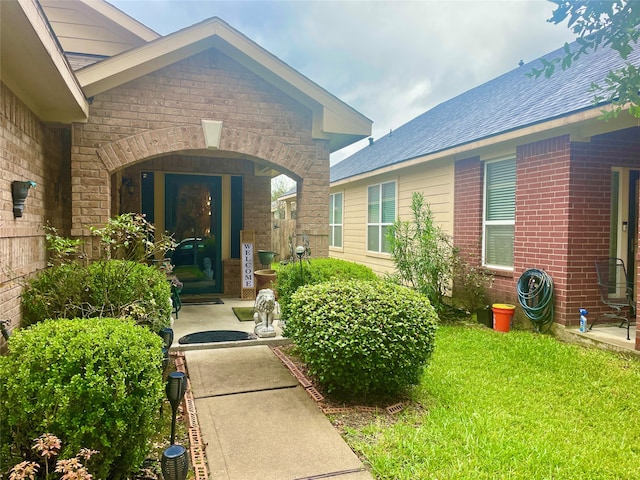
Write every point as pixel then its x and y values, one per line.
pixel 502 316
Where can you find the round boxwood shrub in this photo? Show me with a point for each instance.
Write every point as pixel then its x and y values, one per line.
pixel 317 270
pixel 362 338
pixel 110 288
pixel 93 384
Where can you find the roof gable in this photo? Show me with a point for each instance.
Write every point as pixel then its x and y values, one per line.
pixel 332 119
pixel 507 103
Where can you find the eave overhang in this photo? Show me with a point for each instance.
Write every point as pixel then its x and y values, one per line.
pixel 33 66
pixel 333 119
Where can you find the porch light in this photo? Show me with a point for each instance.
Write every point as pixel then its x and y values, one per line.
pixel 176 388
pixel 175 463
pixel 19 192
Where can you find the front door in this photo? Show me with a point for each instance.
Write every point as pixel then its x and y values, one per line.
pixel 192 215
pixel 624 214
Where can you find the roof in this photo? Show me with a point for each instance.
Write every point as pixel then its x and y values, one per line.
pixel 510 102
pixel 333 119
pixel 33 66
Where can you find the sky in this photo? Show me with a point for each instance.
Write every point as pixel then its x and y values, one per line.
pixel 390 60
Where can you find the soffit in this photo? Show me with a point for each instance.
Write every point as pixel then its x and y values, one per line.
pixel 332 119
pixel 33 66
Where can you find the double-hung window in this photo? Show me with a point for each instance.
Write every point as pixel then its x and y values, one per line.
pixel 381 213
pixel 499 213
pixel 335 220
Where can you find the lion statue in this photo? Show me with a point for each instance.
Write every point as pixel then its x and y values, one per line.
pixel 263 316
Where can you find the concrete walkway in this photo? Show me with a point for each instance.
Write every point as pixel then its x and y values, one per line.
pixel 256 420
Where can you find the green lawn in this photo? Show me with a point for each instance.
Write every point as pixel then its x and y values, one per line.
pixel 516 406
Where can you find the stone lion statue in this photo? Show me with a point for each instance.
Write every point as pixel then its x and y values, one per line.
pixel 263 316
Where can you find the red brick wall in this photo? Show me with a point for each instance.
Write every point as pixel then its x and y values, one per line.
pixel 28 151
pixel 563 197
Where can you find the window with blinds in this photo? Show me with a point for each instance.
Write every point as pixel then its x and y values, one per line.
pixel 499 213
pixel 381 213
pixel 335 220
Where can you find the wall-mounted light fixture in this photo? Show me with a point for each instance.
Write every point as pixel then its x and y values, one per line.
pixel 19 191
pixel 129 185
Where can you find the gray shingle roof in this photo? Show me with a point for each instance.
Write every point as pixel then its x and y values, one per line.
pixel 505 103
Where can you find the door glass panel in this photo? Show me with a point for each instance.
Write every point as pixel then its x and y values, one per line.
pixel 192 215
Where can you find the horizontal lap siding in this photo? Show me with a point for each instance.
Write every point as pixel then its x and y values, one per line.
pixel 435 181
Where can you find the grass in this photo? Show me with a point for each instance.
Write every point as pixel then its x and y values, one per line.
pixel 516 406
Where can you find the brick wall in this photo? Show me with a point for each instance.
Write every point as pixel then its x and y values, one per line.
pixel 563 198
pixel 160 115
pixel 28 151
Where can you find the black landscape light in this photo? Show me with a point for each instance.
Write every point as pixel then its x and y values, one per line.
pixel 167 336
pixel 176 388
pixel 175 463
pixel 165 359
pixel 300 253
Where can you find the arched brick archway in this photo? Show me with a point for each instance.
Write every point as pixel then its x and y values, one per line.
pixel 129 150
pixel 91 187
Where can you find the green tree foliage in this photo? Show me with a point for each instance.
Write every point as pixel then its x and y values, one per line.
pixel 599 24
pixel 363 338
pixel 422 252
pixel 92 384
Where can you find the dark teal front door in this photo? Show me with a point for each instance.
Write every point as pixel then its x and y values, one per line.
pixel 192 214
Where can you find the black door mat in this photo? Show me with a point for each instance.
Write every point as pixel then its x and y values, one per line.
pixel 200 299
pixel 213 336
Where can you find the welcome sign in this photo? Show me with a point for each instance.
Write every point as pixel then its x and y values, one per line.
pixel 247 279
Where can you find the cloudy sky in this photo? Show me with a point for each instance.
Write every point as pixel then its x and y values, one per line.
pixel 390 60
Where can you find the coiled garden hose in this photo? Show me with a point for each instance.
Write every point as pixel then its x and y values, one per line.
pixel 535 294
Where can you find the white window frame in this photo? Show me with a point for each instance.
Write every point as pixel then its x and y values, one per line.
pixel 502 222
pixel 380 224
pixel 332 223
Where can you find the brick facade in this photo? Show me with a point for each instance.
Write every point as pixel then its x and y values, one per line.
pixel 29 150
pixel 563 209
pixel 156 119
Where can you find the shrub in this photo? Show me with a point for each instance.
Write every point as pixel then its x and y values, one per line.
pixel 422 252
pixel 110 288
pixel 92 384
pixel 314 271
pixel 362 338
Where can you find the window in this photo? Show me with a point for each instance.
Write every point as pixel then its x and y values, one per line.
pixel 499 213
pixel 381 213
pixel 335 220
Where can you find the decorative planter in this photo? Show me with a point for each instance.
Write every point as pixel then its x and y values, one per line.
pixel 265 279
pixel 266 257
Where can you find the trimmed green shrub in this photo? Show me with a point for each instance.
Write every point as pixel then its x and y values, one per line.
pixel 110 288
pixel 317 270
pixel 362 338
pixel 92 384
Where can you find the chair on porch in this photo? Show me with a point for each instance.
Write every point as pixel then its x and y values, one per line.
pixel 615 291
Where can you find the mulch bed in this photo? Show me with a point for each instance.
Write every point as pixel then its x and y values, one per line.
pixel 343 414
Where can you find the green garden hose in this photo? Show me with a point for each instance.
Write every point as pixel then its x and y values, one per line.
pixel 535 294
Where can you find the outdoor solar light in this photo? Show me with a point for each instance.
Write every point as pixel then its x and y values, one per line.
pixel 300 253
pixel 176 388
pixel 167 336
pixel 175 463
